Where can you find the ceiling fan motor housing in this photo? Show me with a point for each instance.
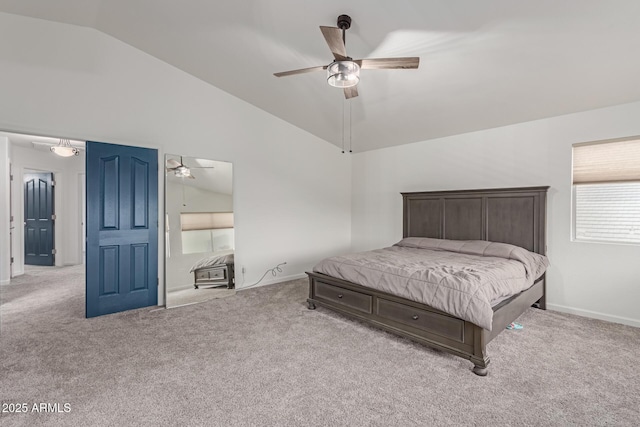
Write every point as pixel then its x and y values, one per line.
pixel 344 22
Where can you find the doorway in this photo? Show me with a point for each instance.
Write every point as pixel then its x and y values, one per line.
pixel 39 218
pixel 64 188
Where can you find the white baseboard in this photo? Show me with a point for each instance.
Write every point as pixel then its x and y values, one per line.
pixel 181 287
pixel 272 281
pixel 594 315
pixel 246 286
pixel 4 282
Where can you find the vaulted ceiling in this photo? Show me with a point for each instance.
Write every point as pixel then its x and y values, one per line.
pixel 483 64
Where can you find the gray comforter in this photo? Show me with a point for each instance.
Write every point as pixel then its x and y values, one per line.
pixel 462 278
pixel 212 260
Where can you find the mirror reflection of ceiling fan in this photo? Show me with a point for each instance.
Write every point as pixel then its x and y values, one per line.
pixel 344 72
pixel 181 170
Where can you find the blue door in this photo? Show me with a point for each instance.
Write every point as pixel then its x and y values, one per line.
pixel 122 228
pixel 38 218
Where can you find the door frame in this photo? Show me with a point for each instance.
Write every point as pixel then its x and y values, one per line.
pixel 82 197
pixel 53 213
pixel 19 176
pixel 18 215
pixel 12 223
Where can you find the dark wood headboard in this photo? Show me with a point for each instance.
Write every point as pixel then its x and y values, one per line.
pixel 508 215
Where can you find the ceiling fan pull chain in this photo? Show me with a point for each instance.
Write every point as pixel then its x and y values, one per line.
pixel 350 150
pixel 343 125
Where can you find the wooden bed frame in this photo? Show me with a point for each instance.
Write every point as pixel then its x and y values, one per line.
pixel 511 215
pixel 215 275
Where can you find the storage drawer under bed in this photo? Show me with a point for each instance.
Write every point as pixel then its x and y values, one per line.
pixel 211 273
pixel 216 275
pixel 387 310
pixel 342 296
pixel 438 323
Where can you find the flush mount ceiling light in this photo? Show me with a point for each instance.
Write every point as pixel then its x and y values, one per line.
pixel 64 149
pixel 343 73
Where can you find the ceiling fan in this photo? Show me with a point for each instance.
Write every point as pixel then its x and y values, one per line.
pixel 344 72
pixel 179 169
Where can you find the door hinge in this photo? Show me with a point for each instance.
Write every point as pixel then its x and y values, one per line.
pixel 53 183
pixel 11 260
pixel 53 251
pixel 10 177
pixel 53 217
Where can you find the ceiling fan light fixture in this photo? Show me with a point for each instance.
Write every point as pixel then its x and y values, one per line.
pixel 182 171
pixel 343 74
pixel 64 149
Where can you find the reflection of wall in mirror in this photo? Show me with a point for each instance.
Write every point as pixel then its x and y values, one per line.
pixel 222 239
pixel 196 200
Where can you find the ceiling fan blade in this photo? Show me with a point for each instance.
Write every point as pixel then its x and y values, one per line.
pixel 333 36
pixel 300 71
pixel 388 63
pixel 351 92
pixel 172 163
pixel 191 176
pixel 170 169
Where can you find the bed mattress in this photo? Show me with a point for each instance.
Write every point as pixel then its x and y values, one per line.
pixel 213 260
pixel 462 278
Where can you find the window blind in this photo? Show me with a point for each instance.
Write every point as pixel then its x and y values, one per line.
pixel 206 220
pixel 614 161
pixel 608 212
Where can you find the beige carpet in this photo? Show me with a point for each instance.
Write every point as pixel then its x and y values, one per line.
pixel 262 359
pixel 195 296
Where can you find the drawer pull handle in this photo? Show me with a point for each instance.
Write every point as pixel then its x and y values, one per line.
pixel 415 317
pixel 340 295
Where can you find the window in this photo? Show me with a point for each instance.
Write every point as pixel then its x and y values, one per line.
pixel 207 232
pixel 606 189
pixel 206 220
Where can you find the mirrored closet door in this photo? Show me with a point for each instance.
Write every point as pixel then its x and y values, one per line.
pixel 199 230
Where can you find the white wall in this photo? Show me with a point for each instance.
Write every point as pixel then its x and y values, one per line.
pixel 196 200
pixel 68 172
pixel 74 82
pixel 596 280
pixel 5 256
